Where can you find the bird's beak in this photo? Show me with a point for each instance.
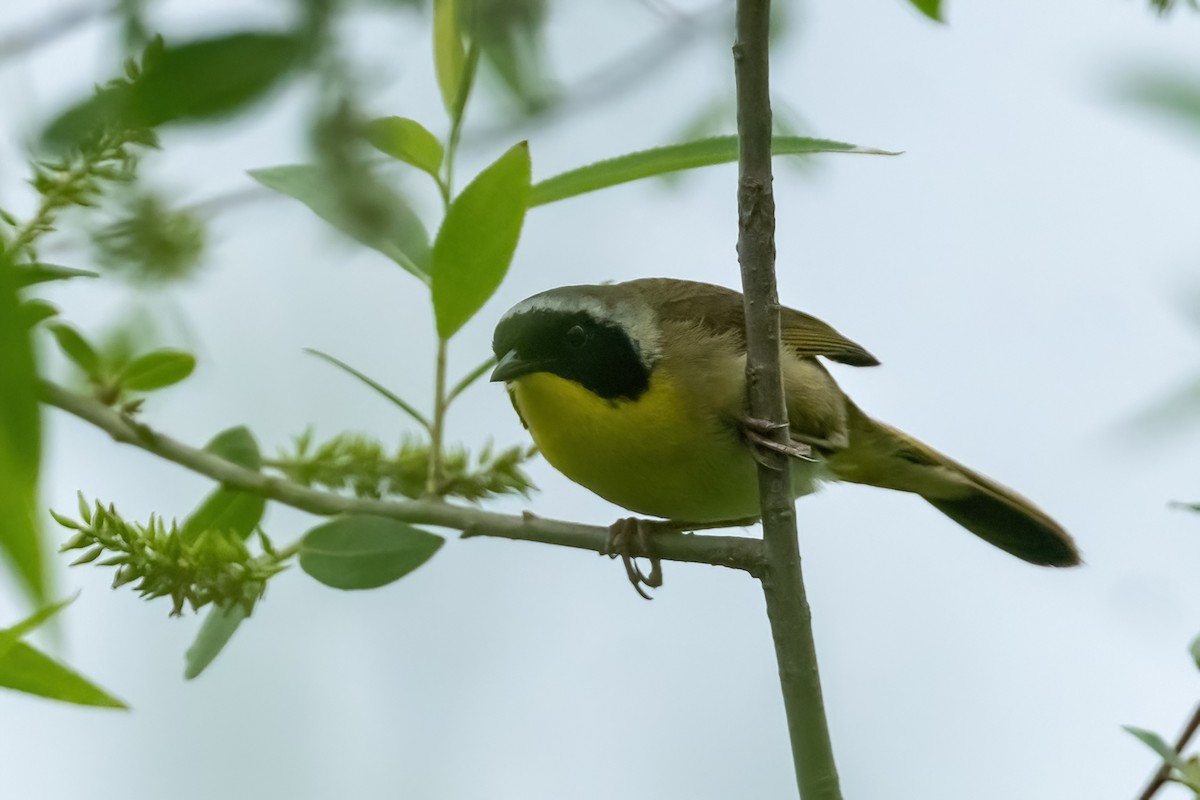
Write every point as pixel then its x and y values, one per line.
pixel 512 366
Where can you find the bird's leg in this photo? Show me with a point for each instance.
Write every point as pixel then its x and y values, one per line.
pixel 758 433
pixel 629 538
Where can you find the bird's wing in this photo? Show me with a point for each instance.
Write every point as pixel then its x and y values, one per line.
pixel 721 310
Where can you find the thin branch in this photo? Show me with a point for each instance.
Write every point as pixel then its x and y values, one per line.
pixel 783 585
pixel 1160 777
pixel 736 552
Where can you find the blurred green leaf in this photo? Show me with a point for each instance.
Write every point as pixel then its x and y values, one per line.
pixel 930 8
pixel 477 239
pixel 365 552
pixel 156 370
pixel 510 35
pixel 403 238
pixel 29 274
pixel 78 349
pixel 200 80
pixel 28 670
pixel 151 242
pixel 1195 650
pixel 1157 744
pixel 10 636
pixel 218 628
pixel 237 445
pixel 36 310
pixel 407 140
pixel 449 57
pixel 661 160
pixel 20 443
pixel 1175 96
pixel 228 510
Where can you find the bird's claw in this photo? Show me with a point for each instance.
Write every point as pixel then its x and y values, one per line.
pixel 629 538
pixel 759 433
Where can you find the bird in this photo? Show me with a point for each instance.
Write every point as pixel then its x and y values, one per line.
pixel 637 391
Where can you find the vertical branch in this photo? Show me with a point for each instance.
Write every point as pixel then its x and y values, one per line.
pixel 783 585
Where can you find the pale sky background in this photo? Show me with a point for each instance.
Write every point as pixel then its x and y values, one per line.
pixel 1019 271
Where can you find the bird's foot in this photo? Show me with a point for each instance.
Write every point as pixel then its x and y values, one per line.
pixel 759 433
pixel 629 538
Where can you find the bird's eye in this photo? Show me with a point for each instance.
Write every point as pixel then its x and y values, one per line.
pixel 576 336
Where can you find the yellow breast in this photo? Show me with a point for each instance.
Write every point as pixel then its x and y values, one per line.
pixel 656 455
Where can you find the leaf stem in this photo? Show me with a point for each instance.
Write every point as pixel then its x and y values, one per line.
pixel 433 483
pixel 470 378
pixel 782 582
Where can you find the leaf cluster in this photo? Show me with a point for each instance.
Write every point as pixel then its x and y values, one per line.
pixel 213 566
pixel 355 463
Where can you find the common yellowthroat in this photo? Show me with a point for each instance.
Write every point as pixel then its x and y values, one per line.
pixel 637 391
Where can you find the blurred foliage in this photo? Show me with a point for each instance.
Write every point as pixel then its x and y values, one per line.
pixel 26 669
pixel 212 567
pixel 354 463
pixel 111 381
pixel 1167 6
pixel 150 243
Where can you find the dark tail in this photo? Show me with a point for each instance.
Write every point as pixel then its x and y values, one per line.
pixel 880 455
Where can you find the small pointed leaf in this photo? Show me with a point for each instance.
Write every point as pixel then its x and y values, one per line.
pixel 477 239
pixel 77 348
pixel 29 274
pixel 10 636
pixel 1157 744
pixel 156 370
pixel 930 8
pixel 27 669
pixel 363 552
pixel 219 626
pixel 407 140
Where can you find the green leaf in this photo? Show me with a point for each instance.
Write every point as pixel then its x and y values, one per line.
pixel 10 636
pixel 29 274
pixel 396 400
pixel 407 140
pixel 156 370
pixel 78 349
pixel 200 80
pixel 1175 96
pixel 364 552
pixel 20 443
pixel 1158 745
pixel 237 445
pixel 403 239
pixel 219 626
pixel 28 670
pixel 663 160
pixel 930 8
pixel 225 509
pixel 477 239
pixel 1195 650
pixel 449 57
pixel 36 310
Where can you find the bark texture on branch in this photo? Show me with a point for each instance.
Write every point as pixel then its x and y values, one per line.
pixel 783 585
